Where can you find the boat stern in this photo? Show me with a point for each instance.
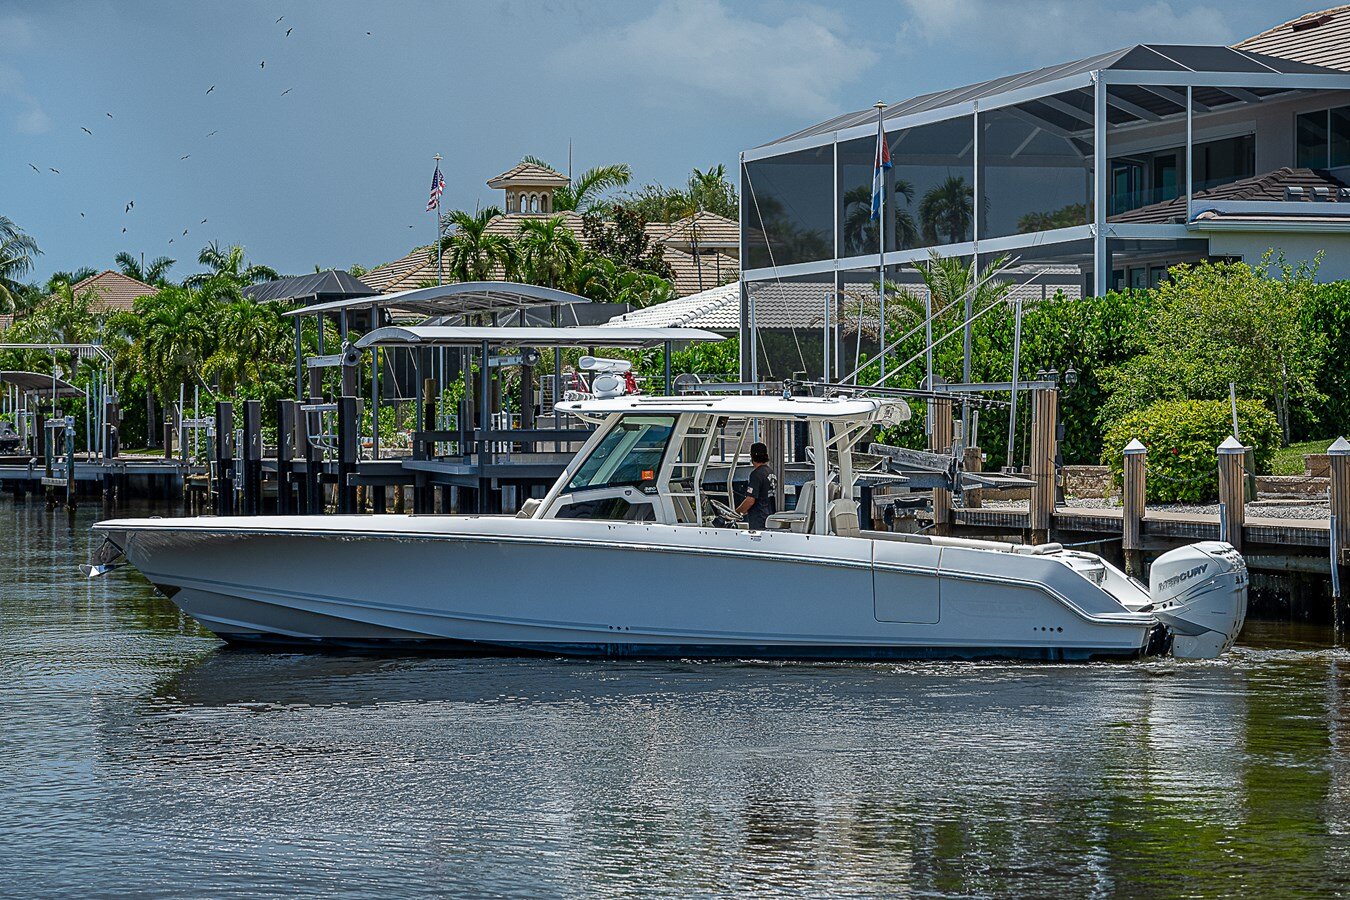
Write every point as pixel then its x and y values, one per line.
pixel 1200 593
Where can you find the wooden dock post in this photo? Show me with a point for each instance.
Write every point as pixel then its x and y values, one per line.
pixel 224 458
pixel 973 462
pixel 252 449
pixel 1044 423
pixel 1338 457
pixel 168 432
pixel 1134 493
pixel 285 457
pixel 1232 491
pixel 348 435
pixel 424 499
pixel 940 441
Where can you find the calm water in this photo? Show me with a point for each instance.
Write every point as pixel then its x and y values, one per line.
pixel 137 755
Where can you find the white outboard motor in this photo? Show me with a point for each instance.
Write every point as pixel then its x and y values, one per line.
pixel 1200 593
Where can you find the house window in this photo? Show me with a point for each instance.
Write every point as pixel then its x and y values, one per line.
pixel 543 203
pixel 1323 138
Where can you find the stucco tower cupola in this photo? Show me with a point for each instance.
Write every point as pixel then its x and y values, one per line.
pixel 529 188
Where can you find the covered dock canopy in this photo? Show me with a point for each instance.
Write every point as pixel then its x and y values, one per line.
pixel 40 384
pixel 467 298
pixel 319 287
pixel 596 336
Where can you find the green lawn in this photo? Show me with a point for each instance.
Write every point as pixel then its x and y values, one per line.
pixel 1289 460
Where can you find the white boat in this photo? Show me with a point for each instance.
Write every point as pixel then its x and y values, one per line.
pixel 624 557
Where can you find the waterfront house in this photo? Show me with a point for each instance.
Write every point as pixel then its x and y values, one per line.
pixel 1115 166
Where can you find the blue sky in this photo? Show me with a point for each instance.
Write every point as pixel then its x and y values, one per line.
pixel 337 170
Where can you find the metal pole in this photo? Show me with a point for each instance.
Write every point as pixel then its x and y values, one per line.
pixel 1016 365
pixel 1190 156
pixel 667 388
pixel 881 241
pixel 440 262
pixel 299 363
pixel 1099 255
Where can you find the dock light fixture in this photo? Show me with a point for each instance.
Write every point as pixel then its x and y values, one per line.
pixel 1070 376
pixel 1053 375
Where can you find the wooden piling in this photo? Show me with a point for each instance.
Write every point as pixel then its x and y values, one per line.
pixel 424 499
pixel 168 432
pixel 1044 419
pixel 252 451
pixel 940 441
pixel 1232 491
pixel 348 435
pixel 285 457
pixel 1134 492
pixel 973 461
pixel 1338 458
pixel 224 458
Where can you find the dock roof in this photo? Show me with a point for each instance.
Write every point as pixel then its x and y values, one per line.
pixel 459 299
pixel 584 336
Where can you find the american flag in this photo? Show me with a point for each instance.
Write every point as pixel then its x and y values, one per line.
pixel 437 187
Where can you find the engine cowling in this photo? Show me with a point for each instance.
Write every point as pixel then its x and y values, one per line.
pixel 1200 593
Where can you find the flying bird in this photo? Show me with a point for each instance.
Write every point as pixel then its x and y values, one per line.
pixel 288 31
pixel 263 64
pixel 217 131
pixel 184 232
pixel 367 33
pixel 211 88
pixel 124 231
pixel 287 91
pixel 278 21
pixel 35 168
pixel 81 215
pixel 109 115
pixel 186 156
pixel 170 240
pixel 129 206
pixel 86 131
pixel 203 221
pixel 57 171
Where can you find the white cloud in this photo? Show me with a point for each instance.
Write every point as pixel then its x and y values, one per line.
pixel 795 63
pixel 27 113
pixel 16 32
pixel 1043 32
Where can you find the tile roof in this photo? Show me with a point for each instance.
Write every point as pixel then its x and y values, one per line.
pixel 1318 38
pixel 710 229
pixel 691 275
pixel 528 174
pixel 1268 186
pixel 797 304
pixel 113 290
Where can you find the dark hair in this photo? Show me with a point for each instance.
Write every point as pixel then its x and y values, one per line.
pixel 759 453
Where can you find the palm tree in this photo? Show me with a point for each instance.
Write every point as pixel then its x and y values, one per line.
pixel 946 211
pixel 949 278
pixel 582 194
pixel 16 260
pixel 154 273
pixel 860 232
pixel 474 253
pixel 710 191
pixel 228 265
pixel 68 278
pixel 549 251
pixel 173 337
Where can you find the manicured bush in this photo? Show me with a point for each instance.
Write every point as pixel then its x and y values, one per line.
pixel 1182 437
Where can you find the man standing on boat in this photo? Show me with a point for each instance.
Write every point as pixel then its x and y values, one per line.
pixel 762 500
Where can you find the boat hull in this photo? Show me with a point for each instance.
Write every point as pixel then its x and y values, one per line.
pixel 499 584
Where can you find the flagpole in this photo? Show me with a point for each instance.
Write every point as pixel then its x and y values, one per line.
pixel 881 242
pixel 440 261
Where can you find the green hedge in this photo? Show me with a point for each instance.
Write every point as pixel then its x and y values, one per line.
pixel 1182 437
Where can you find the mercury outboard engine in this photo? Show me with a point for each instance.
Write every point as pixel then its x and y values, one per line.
pixel 1200 593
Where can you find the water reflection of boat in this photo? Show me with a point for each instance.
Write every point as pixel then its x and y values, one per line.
pixel 624 557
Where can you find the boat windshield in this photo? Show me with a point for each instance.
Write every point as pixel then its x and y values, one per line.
pixel 630 454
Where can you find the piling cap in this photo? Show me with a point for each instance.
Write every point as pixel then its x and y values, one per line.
pixel 1134 446
pixel 1340 447
pixel 1232 445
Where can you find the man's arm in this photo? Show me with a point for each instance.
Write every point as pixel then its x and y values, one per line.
pixel 757 489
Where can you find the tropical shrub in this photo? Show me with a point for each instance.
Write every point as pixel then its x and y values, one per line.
pixel 1182 437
